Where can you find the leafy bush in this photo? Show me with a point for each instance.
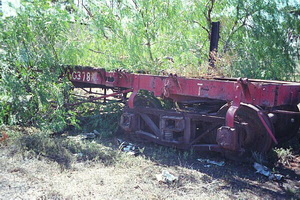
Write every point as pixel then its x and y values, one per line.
pixel 153 36
pixel 33 92
pixel 103 118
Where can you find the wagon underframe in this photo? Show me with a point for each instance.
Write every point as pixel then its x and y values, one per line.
pixel 227 115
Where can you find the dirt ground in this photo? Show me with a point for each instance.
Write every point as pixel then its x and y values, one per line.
pixel 134 177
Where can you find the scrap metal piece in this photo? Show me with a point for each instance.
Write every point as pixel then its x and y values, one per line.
pixel 166 177
pixel 261 169
pixel 220 164
pixel 129 148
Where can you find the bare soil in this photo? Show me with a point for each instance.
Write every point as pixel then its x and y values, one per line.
pixel 134 177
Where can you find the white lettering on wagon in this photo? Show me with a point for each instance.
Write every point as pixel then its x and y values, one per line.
pixel 199 90
pixel 81 76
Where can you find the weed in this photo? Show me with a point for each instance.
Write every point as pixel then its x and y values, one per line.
pixel 96 152
pixel 102 118
pixel 51 195
pixel 284 155
pixel 185 155
pixel 292 191
pixel 259 157
pixel 43 145
pixel 64 151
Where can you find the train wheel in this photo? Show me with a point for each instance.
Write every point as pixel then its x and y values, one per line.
pixel 223 110
pixel 254 136
pixel 286 126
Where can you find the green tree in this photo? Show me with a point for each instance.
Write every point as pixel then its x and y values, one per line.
pixel 32 91
pixel 257 39
pixel 156 36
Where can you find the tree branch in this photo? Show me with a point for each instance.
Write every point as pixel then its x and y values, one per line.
pixel 87 10
pixel 235 28
pixel 147 34
pixel 208 32
pixel 209 11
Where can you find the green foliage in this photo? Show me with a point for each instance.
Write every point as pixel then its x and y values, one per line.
pixel 173 36
pixel 30 67
pixel 103 118
pixel 155 36
pixel 258 40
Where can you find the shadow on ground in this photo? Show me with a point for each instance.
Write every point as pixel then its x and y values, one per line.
pixel 239 176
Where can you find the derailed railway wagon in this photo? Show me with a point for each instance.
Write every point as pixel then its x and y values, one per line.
pixel 227 115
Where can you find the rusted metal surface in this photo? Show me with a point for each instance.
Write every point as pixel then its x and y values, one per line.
pixel 286 122
pixel 227 138
pixel 267 127
pixel 252 108
pixel 262 93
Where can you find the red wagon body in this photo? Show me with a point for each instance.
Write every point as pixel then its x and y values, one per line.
pixel 220 114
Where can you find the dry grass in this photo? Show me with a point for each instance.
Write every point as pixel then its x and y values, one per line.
pixel 26 174
pixel 133 178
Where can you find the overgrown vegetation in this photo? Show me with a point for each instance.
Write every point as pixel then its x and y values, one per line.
pixel 64 151
pixel 258 40
pixel 125 176
pixel 103 118
pixel 284 156
pixel 32 91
